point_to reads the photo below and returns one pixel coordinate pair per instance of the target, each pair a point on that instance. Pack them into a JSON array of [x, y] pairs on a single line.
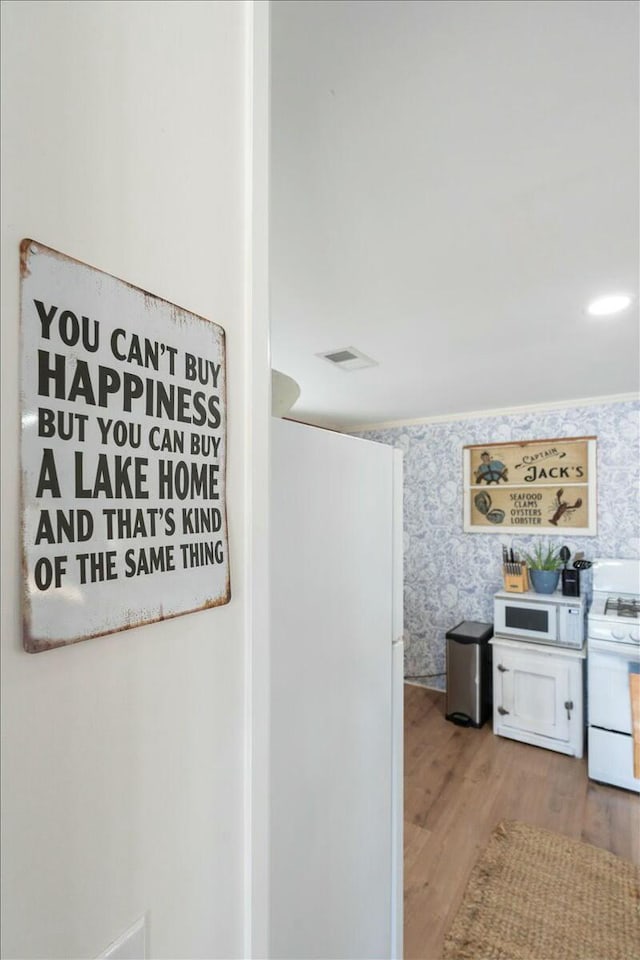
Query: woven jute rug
[[535, 895]]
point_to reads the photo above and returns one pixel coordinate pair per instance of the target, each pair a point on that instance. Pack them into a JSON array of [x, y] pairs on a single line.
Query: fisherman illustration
[[562, 507], [490, 471]]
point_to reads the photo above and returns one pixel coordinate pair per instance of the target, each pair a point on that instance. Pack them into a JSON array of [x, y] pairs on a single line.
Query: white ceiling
[[451, 183]]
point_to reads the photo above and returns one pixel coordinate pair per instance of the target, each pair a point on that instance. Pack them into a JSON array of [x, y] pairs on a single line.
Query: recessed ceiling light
[[606, 306]]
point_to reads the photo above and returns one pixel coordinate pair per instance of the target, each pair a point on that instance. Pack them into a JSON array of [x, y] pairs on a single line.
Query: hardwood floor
[[460, 782]]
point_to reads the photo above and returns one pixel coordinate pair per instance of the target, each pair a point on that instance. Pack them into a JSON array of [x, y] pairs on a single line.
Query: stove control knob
[[617, 634], [634, 635]]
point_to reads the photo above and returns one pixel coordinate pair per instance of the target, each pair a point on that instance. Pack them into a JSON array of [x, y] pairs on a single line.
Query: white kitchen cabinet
[[538, 695]]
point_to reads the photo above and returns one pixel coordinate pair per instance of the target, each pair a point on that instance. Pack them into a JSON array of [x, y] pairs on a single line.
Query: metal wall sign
[[124, 516], [536, 486]]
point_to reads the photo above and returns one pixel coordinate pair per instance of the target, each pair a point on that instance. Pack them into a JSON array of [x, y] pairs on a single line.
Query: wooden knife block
[[516, 582]]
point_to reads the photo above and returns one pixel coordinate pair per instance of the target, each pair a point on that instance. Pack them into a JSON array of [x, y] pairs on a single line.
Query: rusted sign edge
[[26, 243], [35, 645]]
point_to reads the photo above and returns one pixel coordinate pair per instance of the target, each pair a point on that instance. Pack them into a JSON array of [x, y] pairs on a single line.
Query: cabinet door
[[533, 693]]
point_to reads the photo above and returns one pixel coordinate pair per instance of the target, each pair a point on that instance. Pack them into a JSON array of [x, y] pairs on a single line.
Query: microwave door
[[534, 621]]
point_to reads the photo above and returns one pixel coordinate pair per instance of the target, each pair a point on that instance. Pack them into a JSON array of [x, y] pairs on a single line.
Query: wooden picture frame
[[534, 486]]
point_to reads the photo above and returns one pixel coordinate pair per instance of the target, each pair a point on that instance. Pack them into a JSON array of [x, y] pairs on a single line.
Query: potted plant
[[544, 564]]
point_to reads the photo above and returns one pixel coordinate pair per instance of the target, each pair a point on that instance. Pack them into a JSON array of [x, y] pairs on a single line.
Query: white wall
[[124, 758]]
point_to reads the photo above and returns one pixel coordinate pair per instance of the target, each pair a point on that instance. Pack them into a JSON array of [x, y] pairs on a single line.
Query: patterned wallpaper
[[450, 575]]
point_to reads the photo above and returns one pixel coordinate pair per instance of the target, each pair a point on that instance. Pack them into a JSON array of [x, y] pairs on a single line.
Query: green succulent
[[544, 557]]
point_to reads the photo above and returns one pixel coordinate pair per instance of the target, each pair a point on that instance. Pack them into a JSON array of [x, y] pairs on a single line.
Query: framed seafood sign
[[536, 486]]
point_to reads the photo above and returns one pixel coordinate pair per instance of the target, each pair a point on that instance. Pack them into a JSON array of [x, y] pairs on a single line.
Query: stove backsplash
[[450, 575]]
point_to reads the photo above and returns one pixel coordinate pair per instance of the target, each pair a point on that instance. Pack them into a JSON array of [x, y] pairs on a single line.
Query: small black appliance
[[570, 583]]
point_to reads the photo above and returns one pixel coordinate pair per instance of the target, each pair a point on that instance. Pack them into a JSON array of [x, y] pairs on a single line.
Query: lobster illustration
[[563, 507]]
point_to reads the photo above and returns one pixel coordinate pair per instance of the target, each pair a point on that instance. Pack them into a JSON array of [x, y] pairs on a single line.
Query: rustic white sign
[[123, 454]]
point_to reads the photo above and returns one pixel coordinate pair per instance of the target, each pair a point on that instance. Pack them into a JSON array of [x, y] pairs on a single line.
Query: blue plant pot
[[544, 581]]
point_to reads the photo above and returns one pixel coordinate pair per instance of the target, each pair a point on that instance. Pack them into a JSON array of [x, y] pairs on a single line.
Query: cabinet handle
[[503, 669], [568, 705], [502, 711]]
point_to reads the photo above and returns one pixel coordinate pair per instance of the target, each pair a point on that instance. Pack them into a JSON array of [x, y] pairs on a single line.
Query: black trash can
[[469, 673]]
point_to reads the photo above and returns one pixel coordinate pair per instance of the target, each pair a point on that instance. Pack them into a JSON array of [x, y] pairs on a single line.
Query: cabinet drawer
[[611, 759]]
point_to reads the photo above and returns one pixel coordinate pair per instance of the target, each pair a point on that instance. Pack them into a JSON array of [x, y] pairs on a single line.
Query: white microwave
[[540, 618]]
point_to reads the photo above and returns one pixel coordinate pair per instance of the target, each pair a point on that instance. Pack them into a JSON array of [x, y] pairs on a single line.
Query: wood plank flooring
[[460, 782]]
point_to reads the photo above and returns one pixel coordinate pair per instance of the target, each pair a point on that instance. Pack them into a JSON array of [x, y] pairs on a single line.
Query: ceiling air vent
[[348, 358]]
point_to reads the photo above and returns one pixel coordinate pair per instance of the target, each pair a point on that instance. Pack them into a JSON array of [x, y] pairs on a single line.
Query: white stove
[[614, 613], [613, 653]]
